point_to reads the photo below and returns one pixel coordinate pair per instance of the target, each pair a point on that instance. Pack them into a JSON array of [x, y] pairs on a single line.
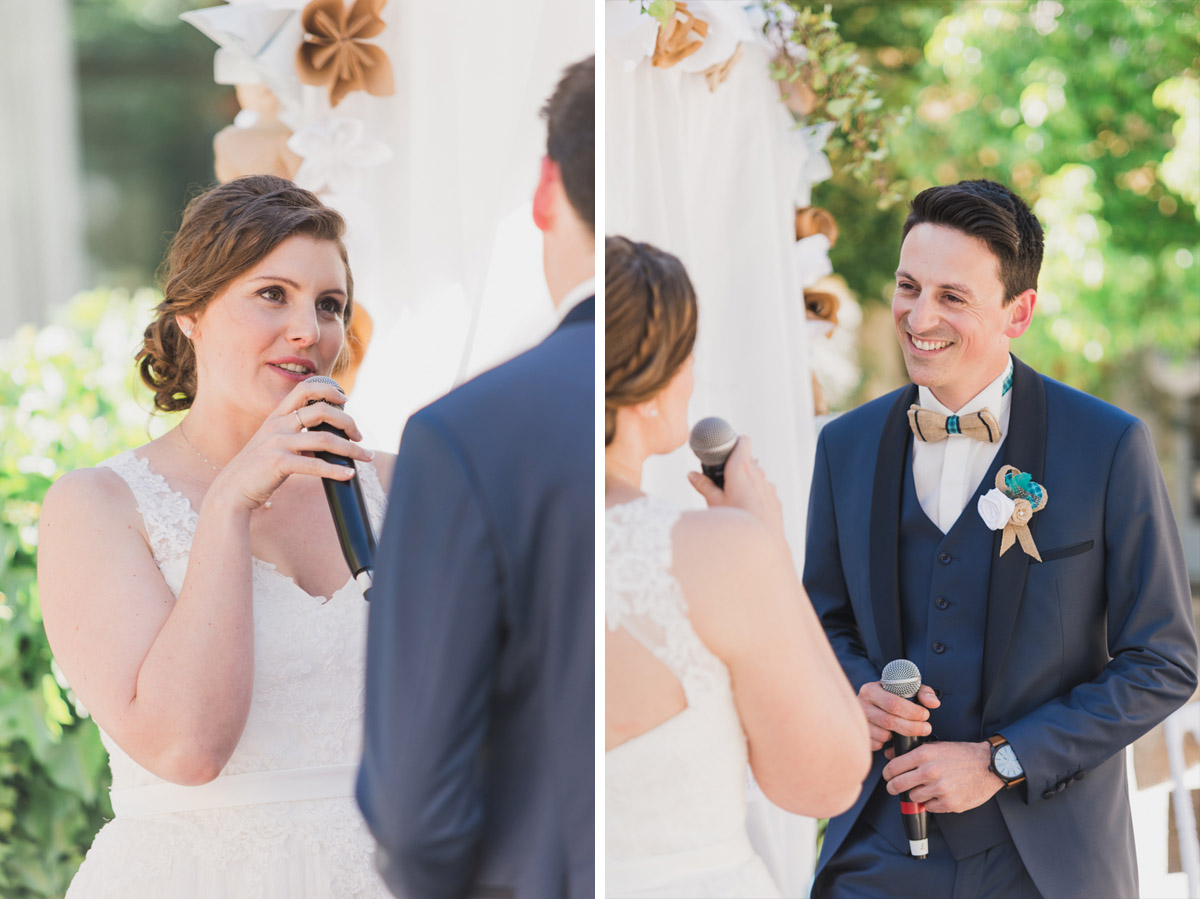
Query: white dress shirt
[[947, 473]]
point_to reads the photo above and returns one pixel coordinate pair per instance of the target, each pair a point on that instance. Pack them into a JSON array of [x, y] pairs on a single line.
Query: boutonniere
[[1010, 506]]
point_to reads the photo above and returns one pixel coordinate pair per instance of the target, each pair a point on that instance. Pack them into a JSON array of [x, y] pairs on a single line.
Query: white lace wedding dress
[[676, 795], [280, 822]]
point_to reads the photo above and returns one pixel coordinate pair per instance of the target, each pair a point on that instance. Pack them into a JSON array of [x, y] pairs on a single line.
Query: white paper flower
[[257, 44], [335, 151], [813, 166], [811, 257], [996, 508]]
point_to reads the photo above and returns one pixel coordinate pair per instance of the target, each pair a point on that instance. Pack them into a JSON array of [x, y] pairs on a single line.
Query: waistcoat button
[[941, 602], [939, 647], [944, 558]]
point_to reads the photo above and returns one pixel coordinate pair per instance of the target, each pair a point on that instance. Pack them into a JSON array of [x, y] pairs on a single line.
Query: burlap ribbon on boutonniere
[[1010, 505]]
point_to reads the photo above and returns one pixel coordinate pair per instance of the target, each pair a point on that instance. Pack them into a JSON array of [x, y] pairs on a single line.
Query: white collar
[[574, 296], [993, 397]]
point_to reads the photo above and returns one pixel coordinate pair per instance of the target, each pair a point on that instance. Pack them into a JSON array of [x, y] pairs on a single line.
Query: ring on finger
[[296, 412]]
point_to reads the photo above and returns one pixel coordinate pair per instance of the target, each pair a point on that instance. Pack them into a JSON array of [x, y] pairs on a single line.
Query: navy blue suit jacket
[[1083, 652], [478, 770]]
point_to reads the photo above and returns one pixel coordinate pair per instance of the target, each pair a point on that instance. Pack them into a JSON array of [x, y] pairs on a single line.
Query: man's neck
[[565, 274], [956, 398]]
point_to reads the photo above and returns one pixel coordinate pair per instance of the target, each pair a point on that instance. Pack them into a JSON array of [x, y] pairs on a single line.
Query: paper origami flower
[[334, 53], [335, 151]]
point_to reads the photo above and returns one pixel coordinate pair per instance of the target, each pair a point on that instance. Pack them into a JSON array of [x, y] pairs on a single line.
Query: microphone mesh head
[[901, 678], [712, 440], [323, 379]]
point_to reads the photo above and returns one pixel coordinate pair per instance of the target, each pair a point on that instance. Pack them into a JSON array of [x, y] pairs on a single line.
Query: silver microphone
[[712, 441], [902, 678]]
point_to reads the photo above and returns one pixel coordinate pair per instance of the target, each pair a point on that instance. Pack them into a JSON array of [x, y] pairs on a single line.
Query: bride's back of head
[[649, 324]]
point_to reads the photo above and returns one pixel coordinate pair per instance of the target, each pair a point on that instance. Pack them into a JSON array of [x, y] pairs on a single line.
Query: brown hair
[[570, 115], [649, 324], [990, 212], [225, 232]]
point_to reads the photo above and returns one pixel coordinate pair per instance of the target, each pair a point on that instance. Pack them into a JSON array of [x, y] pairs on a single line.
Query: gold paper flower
[[333, 53], [679, 38]]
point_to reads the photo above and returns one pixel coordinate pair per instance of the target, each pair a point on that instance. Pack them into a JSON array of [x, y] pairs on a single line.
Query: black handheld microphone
[[902, 678], [348, 507], [712, 441]]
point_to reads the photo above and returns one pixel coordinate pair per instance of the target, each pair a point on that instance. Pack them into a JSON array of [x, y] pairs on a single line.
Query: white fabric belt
[[287, 785], [630, 875]]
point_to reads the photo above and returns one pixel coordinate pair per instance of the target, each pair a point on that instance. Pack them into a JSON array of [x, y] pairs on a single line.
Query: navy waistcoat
[[943, 607]]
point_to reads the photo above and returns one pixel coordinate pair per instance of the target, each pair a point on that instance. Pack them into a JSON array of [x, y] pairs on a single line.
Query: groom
[[1047, 645], [478, 770]]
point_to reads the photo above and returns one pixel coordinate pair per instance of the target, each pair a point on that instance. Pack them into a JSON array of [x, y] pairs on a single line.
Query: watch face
[[1006, 762]]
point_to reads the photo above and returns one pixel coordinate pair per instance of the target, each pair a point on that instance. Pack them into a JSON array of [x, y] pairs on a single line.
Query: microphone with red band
[[348, 507], [902, 678]]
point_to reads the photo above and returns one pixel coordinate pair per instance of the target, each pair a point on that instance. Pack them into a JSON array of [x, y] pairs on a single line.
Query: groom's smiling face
[[951, 319]]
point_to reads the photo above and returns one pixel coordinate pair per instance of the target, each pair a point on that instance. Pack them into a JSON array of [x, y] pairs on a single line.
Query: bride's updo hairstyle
[[225, 232], [649, 324]]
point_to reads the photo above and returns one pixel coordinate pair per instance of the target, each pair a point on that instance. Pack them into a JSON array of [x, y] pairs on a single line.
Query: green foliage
[[811, 51], [662, 10], [66, 402], [148, 111], [1090, 111]]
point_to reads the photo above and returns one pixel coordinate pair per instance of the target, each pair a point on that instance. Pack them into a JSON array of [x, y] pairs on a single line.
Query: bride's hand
[[284, 444], [746, 488]]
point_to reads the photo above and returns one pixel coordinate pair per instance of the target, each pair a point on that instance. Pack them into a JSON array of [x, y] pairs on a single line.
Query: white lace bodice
[[676, 795], [309, 652], [305, 713]]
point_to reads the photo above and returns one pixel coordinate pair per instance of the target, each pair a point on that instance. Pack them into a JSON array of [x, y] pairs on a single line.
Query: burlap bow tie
[[930, 427]]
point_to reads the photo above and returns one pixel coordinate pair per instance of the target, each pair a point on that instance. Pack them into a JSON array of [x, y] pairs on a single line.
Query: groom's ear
[[546, 196]]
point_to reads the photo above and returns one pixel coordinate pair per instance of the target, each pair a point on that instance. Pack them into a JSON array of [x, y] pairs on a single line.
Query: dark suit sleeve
[[826, 582], [1151, 636], [433, 639]]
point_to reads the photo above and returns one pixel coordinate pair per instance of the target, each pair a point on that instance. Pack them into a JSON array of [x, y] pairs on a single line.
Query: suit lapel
[[1024, 448], [884, 543]]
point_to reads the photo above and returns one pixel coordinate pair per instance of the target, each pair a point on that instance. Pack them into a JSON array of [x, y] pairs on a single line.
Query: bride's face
[[672, 405], [274, 326]]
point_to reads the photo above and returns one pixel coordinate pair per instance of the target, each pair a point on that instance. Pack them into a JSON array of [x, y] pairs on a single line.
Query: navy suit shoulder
[[478, 766]]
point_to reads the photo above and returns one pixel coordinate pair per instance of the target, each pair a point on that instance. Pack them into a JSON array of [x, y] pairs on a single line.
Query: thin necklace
[[207, 461]]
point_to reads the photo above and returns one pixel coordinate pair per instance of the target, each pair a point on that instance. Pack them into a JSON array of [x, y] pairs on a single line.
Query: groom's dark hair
[[990, 212], [570, 115]]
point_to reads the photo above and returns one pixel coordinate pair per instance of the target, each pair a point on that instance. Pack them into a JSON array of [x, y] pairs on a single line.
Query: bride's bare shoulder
[[83, 488], [706, 537]]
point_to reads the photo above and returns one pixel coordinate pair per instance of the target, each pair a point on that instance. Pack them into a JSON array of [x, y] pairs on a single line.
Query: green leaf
[[662, 10]]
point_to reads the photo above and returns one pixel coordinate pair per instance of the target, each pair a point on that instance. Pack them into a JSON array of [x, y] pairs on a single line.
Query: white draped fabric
[[435, 180], [712, 176], [41, 206], [452, 270]]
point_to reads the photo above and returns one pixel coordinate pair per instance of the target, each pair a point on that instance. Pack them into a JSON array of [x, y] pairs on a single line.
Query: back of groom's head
[[570, 115]]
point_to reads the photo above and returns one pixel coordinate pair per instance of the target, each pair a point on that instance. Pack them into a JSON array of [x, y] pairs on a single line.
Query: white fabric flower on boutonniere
[[1009, 506], [995, 508]]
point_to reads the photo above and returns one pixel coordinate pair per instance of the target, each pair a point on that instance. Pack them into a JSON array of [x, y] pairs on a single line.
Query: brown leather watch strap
[[996, 740]]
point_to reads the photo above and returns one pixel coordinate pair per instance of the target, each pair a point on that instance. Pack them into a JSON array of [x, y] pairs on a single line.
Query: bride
[[193, 589], [713, 654]]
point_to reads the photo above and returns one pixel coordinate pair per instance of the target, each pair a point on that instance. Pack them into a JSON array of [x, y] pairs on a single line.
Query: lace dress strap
[[168, 516], [644, 598], [373, 493]]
